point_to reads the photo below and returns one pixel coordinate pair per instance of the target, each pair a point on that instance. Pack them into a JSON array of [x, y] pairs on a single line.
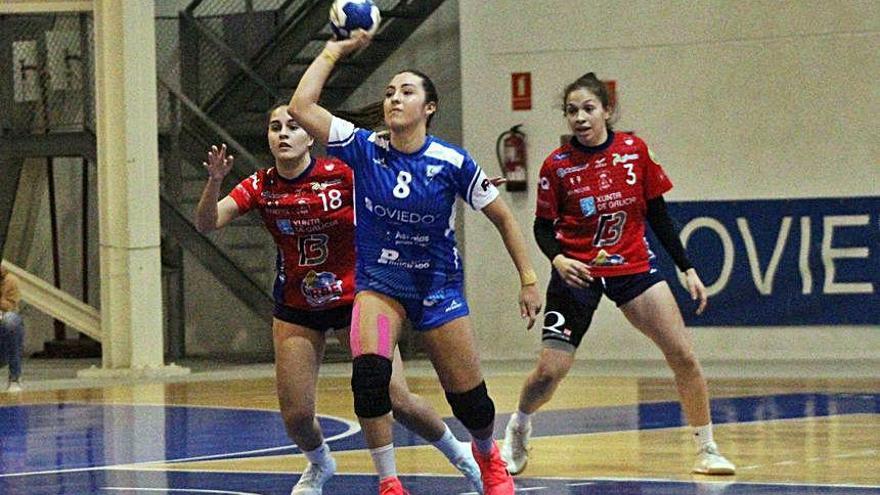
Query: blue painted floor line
[[80, 449]]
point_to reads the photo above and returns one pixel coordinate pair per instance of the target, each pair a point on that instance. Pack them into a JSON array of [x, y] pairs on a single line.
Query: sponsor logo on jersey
[[388, 255], [330, 166], [405, 239], [604, 259], [588, 206], [618, 158], [285, 226], [545, 183], [379, 161], [320, 288], [577, 191], [398, 215], [320, 186], [433, 170], [486, 184], [604, 181], [562, 172], [561, 156], [600, 163], [455, 304], [391, 257]]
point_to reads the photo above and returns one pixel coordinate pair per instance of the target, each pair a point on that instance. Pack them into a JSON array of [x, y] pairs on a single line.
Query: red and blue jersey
[[597, 198], [311, 220], [405, 210]]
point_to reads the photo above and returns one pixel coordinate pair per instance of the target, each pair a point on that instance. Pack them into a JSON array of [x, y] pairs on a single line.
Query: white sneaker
[[468, 466], [710, 461], [14, 387], [515, 450], [313, 478]]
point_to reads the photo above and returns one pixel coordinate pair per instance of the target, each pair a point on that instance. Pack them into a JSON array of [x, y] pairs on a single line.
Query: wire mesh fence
[[52, 82]]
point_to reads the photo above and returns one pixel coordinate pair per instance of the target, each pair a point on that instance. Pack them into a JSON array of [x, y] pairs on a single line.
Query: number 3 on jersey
[[609, 229]]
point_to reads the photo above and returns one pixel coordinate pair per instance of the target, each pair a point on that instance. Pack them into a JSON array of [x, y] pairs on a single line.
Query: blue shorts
[[438, 308], [569, 310], [327, 319]]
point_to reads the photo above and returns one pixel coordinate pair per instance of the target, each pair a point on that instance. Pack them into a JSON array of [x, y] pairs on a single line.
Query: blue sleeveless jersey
[[405, 211]]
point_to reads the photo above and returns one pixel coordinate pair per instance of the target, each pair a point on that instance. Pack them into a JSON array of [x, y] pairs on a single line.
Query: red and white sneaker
[[391, 486], [496, 479]]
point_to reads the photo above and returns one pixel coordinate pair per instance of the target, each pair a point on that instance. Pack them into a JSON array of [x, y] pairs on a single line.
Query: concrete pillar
[[128, 190]]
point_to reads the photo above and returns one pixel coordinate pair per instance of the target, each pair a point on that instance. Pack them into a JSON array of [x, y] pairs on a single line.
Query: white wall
[[433, 49], [739, 100]]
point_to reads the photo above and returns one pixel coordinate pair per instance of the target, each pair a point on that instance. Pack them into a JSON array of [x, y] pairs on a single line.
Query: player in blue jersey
[[407, 264]]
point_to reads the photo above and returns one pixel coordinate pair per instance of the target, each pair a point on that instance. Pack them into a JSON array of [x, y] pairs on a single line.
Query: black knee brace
[[473, 408], [370, 377]]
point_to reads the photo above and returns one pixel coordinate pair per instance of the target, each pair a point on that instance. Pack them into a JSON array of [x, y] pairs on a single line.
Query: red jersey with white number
[[597, 197], [311, 219]]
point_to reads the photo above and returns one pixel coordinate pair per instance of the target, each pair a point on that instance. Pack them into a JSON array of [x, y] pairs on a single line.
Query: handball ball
[[349, 15]]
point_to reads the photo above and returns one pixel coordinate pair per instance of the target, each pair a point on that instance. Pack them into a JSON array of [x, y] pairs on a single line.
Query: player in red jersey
[[306, 204], [595, 195]]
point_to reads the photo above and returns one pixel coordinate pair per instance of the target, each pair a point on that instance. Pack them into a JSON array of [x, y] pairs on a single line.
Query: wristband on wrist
[[329, 56], [529, 277]]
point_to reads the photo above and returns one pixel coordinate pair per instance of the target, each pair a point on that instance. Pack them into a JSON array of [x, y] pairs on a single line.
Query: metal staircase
[[222, 77], [271, 74]]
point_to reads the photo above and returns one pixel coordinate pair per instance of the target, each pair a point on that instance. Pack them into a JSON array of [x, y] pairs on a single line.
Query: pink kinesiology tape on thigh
[[384, 329], [354, 335]]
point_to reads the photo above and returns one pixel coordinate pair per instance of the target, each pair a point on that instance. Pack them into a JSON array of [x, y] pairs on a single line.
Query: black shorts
[[321, 320], [569, 310]]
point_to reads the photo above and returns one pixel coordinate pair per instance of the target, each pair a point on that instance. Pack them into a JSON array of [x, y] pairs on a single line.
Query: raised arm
[[210, 213], [529, 298], [304, 106]]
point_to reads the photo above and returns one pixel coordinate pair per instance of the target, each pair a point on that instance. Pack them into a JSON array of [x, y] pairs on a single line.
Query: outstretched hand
[[529, 304], [697, 289], [219, 163]]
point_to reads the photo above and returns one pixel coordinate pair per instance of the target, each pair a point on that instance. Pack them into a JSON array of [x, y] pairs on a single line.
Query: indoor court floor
[[600, 435]]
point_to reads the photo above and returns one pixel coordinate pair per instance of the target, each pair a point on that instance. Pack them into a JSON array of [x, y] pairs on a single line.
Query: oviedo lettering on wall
[[781, 262]]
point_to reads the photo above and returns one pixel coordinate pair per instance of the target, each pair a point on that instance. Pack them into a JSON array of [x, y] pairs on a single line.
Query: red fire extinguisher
[[510, 148]]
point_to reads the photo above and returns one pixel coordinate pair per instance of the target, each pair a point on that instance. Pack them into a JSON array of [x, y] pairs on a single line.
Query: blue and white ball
[[349, 15]]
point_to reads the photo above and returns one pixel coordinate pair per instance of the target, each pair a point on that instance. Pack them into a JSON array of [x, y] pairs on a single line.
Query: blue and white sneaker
[[468, 466], [313, 478]]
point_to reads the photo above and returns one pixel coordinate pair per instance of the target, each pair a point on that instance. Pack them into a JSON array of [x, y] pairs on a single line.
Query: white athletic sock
[[383, 459], [521, 419], [319, 456], [703, 435], [450, 446]]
